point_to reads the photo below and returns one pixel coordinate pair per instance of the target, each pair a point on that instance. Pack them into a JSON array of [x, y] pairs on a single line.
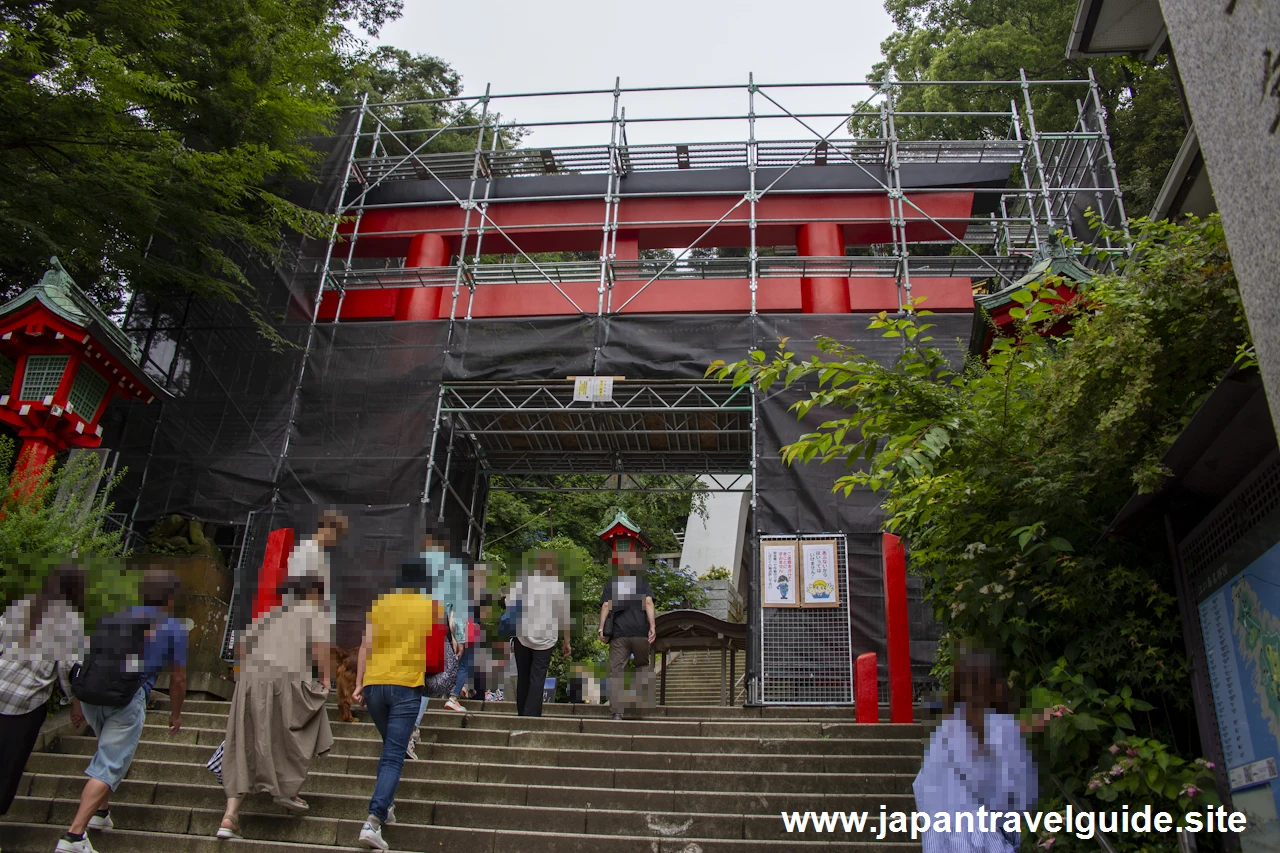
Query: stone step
[[659, 778], [698, 779], [201, 812], [191, 744], [829, 713], [211, 737], [665, 728], [36, 838], [168, 783]]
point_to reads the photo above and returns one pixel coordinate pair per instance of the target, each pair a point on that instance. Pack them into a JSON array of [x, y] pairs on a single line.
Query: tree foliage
[[993, 40], [1004, 475], [50, 518], [152, 145]]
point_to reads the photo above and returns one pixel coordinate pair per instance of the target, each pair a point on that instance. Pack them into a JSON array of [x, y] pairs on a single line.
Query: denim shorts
[[118, 730]]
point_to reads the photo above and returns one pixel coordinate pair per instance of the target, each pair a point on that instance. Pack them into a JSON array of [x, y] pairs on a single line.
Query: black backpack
[[114, 668]]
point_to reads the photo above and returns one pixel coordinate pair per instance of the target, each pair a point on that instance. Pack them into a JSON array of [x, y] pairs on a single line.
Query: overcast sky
[[556, 45]]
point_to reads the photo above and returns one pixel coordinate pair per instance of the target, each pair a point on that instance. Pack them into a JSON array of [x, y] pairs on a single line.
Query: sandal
[[229, 830], [294, 804]]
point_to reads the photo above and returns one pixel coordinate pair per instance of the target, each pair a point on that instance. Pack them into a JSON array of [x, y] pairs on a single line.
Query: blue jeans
[[465, 664], [394, 710], [118, 730]]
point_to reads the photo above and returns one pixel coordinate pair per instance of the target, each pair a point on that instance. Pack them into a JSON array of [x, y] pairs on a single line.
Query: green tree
[[153, 145], [993, 40], [1003, 477]]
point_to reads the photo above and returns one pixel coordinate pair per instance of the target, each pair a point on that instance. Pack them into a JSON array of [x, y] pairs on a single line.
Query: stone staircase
[[681, 780], [693, 678]]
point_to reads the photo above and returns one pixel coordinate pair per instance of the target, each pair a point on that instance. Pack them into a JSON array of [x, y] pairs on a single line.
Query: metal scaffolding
[[1060, 172], [527, 436]]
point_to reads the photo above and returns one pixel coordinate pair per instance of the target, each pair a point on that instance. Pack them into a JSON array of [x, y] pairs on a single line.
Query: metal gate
[[805, 652]]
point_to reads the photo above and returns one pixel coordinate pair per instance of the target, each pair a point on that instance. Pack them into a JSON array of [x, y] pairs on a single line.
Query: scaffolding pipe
[[484, 208], [617, 203], [1111, 160], [1026, 178], [1035, 147], [605, 255], [899, 224], [315, 310], [431, 451], [466, 221], [448, 466], [871, 84], [752, 158]]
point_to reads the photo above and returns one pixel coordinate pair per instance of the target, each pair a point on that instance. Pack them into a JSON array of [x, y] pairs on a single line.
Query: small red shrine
[[623, 534], [70, 360], [994, 317]]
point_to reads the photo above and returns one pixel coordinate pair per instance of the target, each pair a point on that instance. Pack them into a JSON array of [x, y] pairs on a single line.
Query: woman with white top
[[41, 638], [543, 600]]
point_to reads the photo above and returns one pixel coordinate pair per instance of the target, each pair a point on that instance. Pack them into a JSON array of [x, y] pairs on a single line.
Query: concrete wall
[[721, 598], [717, 539]]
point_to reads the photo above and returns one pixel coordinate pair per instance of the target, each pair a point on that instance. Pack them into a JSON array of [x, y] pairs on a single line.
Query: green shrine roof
[[58, 292], [1053, 259], [621, 517]]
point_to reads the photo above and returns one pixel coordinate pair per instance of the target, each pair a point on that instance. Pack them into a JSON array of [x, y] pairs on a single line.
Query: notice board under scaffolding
[[804, 641]]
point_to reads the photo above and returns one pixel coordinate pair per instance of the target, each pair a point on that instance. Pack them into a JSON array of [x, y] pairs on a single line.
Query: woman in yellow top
[[389, 681]]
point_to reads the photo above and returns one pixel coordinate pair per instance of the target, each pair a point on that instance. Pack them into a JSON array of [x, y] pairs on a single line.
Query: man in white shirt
[[544, 612], [309, 557]]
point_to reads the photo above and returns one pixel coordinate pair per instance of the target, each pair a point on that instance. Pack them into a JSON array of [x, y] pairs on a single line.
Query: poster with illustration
[[781, 587], [820, 585]]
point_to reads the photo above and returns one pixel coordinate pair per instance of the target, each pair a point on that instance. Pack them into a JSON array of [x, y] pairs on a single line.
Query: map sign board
[[1240, 621]]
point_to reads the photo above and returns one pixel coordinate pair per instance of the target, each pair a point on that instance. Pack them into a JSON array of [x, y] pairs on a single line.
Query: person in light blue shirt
[[977, 762], [449, 585]]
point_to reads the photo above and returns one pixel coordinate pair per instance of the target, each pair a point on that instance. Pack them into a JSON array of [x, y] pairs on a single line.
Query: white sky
[[557, 45]]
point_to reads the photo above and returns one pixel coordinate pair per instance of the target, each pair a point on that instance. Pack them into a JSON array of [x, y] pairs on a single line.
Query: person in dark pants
[[630, 599], [544, 612], [41, 638], [389, 680]]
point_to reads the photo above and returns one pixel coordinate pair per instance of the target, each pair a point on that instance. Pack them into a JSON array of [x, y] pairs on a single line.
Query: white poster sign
[[781, 580], [820, 580], [593, 389]]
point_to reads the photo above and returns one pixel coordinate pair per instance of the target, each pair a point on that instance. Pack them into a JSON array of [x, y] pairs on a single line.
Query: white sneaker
[[370, 838], [412, 750], [81, 846], [101, 821], [453, 704], [391, 816]]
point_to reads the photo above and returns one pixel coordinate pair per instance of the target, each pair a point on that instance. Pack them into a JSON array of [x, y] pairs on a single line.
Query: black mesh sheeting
[[647, 347], [536, 349], [212, 452], [365, 415]]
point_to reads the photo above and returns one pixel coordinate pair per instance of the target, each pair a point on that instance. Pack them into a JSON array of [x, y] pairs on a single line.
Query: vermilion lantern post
[[70, 361]]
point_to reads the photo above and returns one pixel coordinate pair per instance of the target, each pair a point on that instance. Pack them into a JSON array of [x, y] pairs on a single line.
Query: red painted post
[[897, 638], [27, 471], [822, 295], [274, 566], [867, 684], [422, 303]]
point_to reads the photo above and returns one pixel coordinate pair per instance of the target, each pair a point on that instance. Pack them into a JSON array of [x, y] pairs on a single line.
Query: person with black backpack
[[126, 653]]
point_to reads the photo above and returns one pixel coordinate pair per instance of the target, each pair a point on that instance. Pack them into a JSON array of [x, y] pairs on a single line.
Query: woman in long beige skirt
[[278, 723]]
